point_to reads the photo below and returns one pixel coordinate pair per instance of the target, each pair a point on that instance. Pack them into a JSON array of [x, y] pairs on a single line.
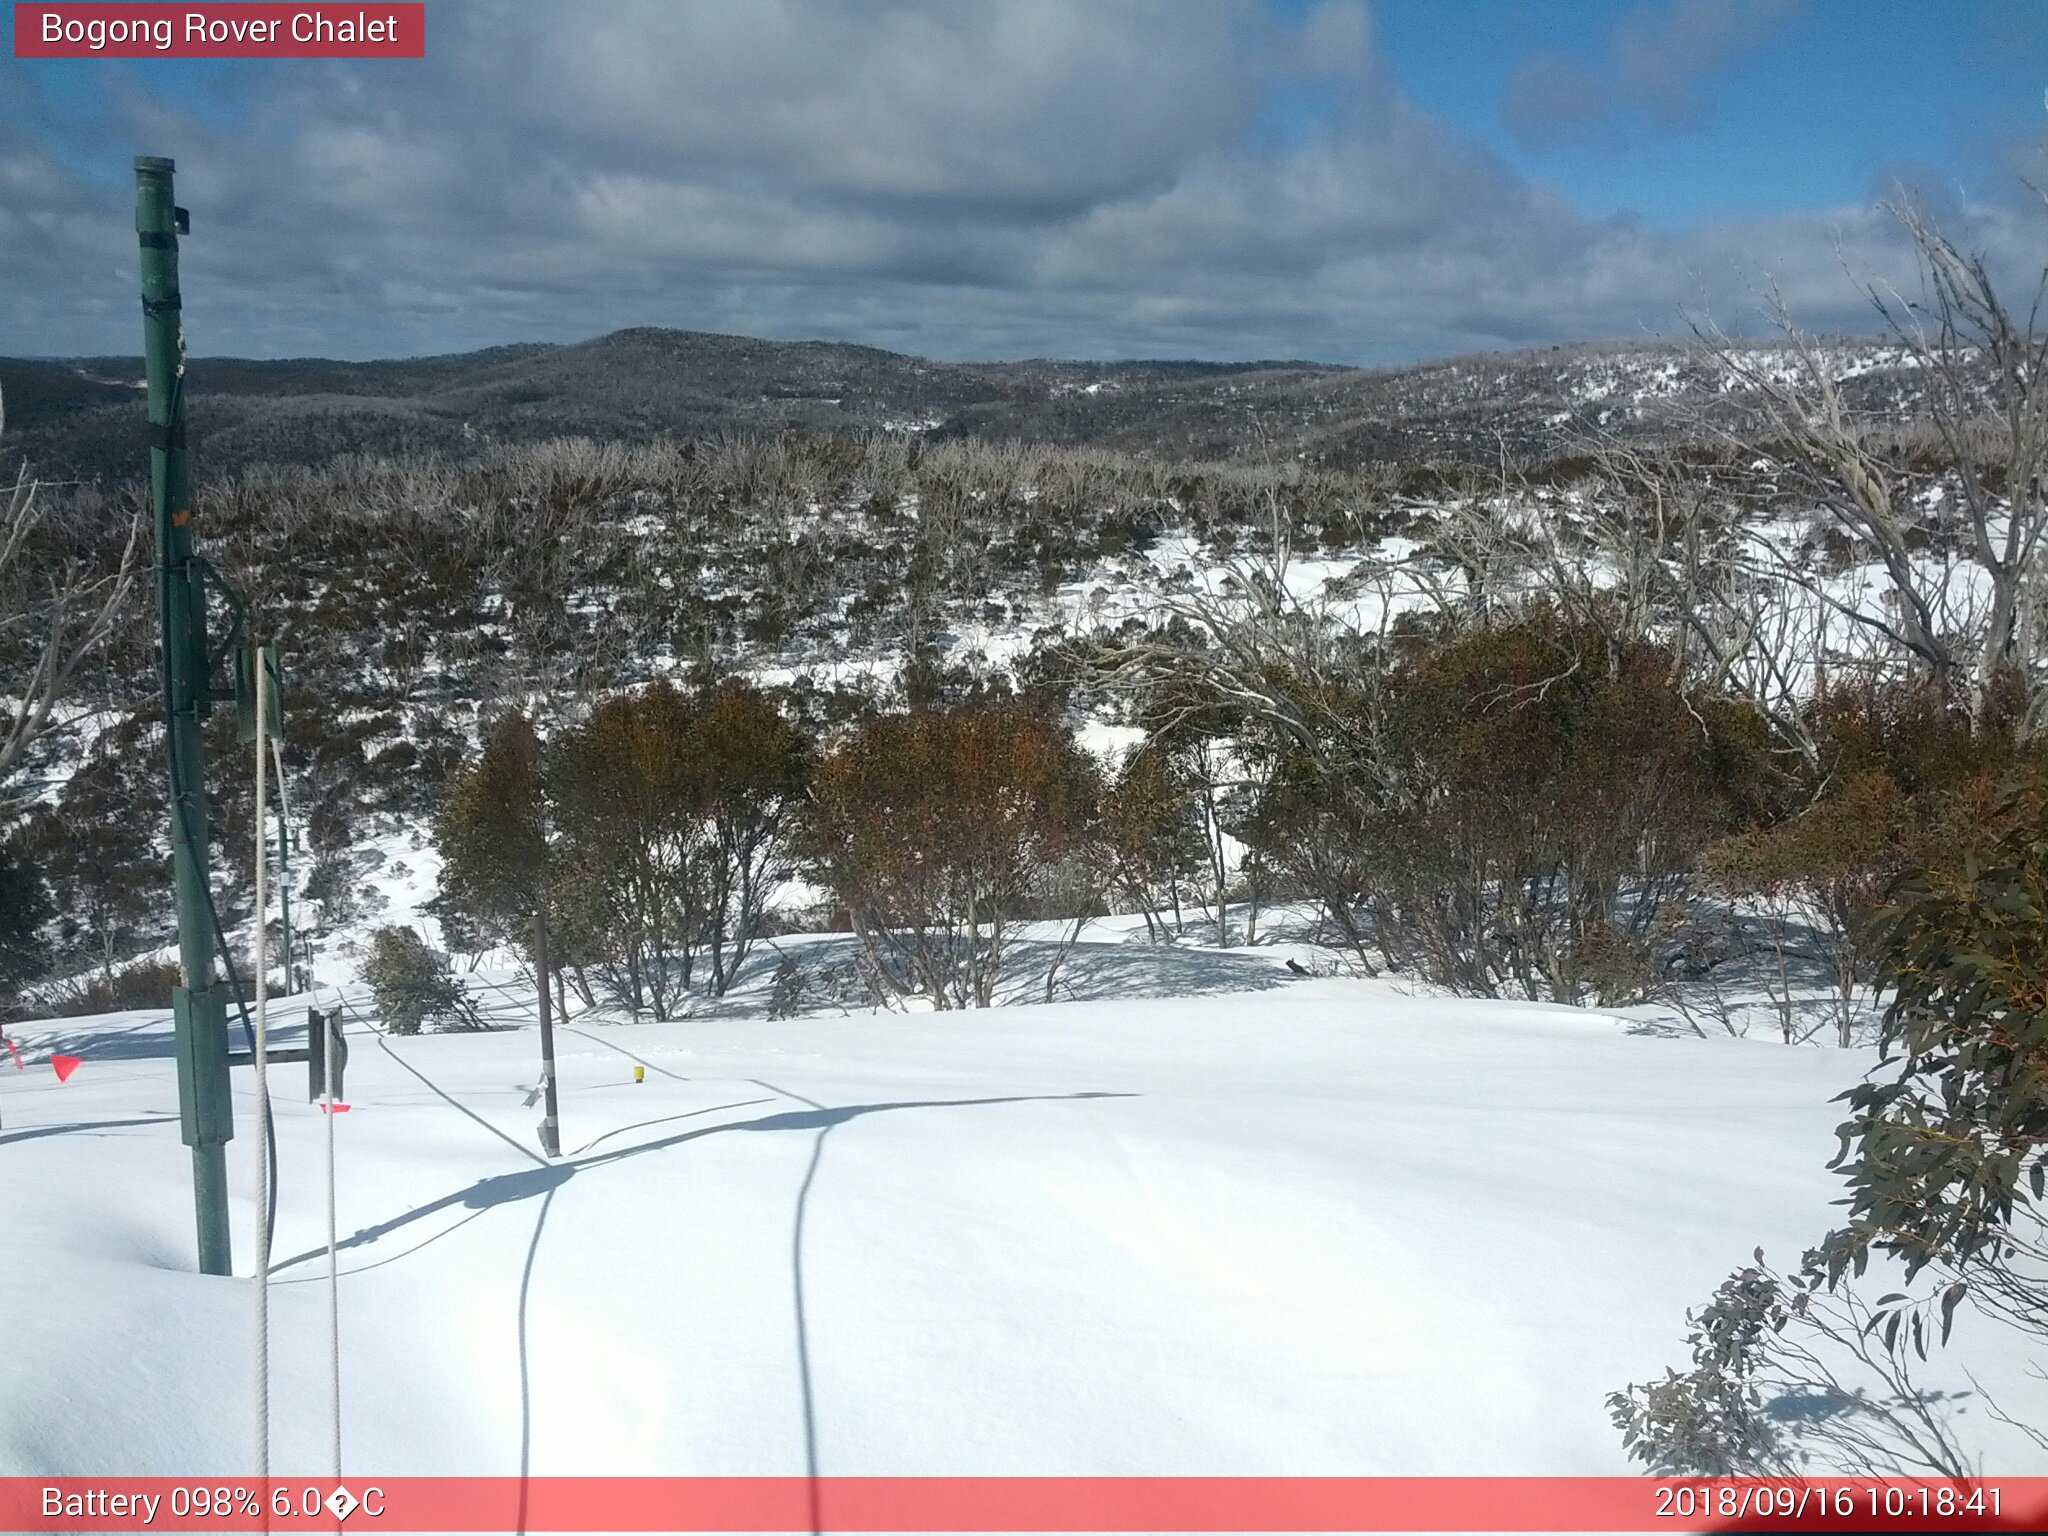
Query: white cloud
[[1046, 176]]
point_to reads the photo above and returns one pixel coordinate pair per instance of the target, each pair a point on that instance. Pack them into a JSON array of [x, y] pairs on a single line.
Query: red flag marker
[[65, 1066], [337, 1109], [19, 1064]]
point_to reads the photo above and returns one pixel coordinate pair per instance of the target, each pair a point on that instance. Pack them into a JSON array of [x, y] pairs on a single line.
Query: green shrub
[[24, 908], [412, 984], [1510, 807], [1948, 1162]]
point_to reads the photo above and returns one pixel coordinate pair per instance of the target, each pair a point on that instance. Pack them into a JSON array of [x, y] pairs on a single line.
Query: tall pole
[[550, 1124], [284, 874], [260, 944], [284, 820], [199, 1003], [329, 1030]]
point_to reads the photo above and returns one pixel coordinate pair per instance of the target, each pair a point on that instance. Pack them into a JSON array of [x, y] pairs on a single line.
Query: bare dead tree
[[1686, 559], [1242, 645], [1988, 403], [1965, 603], [57, 606]]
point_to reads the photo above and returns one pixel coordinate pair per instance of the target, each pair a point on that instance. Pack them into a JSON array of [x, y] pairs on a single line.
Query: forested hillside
[[81, 418]]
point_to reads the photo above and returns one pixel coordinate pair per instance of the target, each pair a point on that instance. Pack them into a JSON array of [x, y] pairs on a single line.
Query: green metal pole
[[200, 1004]]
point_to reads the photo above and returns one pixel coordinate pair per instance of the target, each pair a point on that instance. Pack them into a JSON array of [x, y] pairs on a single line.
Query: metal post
[[326, 1056], [199, 1004], [330, 1083], [284, 893], [260, 943], [284, 835], [550, 1125]]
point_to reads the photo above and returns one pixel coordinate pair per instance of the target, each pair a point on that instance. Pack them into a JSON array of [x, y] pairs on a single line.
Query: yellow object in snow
[[639, 1074]]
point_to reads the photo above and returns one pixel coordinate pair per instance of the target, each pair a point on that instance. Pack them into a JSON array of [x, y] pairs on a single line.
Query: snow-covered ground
[[1283, 1226]]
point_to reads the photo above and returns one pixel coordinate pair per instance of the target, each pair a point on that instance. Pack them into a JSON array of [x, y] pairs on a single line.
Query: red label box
[[113, 29], [153, 1505]]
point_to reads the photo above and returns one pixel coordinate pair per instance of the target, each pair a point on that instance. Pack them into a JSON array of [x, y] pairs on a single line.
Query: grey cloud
[[1662, 56], [1042, 102], [1657, 59], [1551, 94], [965, 181]]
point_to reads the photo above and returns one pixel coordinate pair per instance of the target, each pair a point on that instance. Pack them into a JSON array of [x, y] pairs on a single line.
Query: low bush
[[140, 984], [412, 984]]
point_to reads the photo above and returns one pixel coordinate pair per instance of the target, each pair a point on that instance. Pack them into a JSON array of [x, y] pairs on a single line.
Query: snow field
[[1320, 1228]]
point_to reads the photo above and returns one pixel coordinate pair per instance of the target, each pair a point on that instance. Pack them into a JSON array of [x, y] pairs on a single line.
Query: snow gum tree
[[938, 828], [490, 834], [652, 834], [1947, 1163], [757, 766], [1148, 833], [626, 787], [1509, 808], [1825, 870], [24, 908], [1901, 778], [500, 863]]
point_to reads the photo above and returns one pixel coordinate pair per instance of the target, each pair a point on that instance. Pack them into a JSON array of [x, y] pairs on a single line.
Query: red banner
[[112, 30], [1008, 1504]]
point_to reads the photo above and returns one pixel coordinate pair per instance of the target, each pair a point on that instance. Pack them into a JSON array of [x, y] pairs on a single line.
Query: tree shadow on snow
[[81, 1128], [1139, 970], [1093, 969], [148, 1036], [546, 1179]]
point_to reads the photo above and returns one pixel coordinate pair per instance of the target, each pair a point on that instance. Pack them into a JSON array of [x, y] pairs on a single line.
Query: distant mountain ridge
[[82, 417]]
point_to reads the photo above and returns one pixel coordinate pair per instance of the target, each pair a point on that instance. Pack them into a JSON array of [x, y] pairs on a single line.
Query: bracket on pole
[[205, 1112]]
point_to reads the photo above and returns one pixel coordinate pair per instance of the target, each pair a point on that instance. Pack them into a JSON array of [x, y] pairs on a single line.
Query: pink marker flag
[[19, 1064], [65, 1066]]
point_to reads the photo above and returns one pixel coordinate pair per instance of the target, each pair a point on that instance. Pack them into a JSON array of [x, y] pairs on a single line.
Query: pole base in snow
[[210, 1186]]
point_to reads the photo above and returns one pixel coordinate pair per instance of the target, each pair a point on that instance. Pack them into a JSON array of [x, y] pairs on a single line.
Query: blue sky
[[1212, 178], [1835, 100]]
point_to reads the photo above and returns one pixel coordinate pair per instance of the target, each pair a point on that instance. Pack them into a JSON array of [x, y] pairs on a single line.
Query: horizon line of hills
[[80, 418]]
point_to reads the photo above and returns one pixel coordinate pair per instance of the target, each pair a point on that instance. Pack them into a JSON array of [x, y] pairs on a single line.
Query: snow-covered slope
[[1319, 1227]]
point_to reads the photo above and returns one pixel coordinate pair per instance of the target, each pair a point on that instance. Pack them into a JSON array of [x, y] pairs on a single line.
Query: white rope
[[260, 964], [284, 816], [333, 1275], [327, 1080]]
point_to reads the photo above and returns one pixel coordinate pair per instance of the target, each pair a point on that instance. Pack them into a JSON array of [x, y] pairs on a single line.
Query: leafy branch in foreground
[[1945, 1165], [1946, 1161], [1787, 1375]]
